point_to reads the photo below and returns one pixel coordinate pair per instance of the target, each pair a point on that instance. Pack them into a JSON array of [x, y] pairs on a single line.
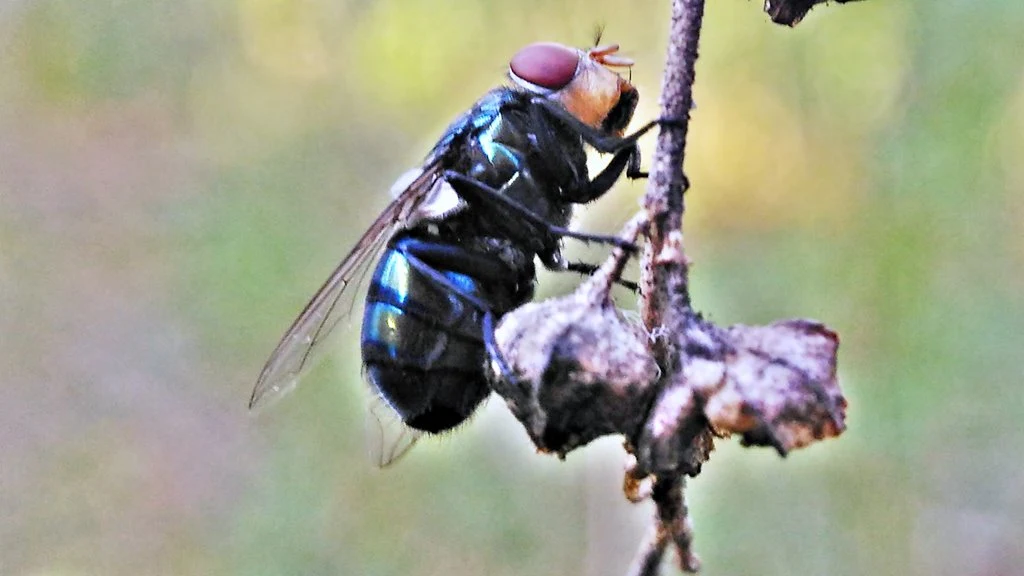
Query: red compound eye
[[546, 64]]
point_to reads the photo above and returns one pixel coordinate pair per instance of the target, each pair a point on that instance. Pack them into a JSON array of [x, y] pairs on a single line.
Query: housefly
[[460, 237]]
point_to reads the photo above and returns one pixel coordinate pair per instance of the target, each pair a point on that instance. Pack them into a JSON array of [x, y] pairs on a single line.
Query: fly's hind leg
[[419, 252], [493, 352]]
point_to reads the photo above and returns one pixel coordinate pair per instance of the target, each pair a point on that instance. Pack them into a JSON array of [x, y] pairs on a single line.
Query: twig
[[664, 264], [665, 305], [673, 526]]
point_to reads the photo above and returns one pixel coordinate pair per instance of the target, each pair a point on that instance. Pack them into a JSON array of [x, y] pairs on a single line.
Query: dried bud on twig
[[582, 371], [582, 368]]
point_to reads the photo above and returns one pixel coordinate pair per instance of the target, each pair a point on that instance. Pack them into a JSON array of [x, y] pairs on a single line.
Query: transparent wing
[[303, 341], [387, 437]]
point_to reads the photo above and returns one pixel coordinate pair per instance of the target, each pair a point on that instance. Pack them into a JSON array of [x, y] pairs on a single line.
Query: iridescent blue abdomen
[[421, 342]]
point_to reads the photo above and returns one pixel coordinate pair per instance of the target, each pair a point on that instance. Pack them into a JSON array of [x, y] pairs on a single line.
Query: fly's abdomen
[[422, 342]]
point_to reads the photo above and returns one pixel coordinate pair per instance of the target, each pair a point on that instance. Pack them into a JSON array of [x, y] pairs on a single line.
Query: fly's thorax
[[535, 156], [479, 116], [538, 190], [526, 156], [513, 248], [508, 252]]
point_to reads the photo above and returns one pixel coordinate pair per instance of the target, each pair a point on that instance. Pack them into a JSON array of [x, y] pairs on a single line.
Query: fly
[[461, 236]]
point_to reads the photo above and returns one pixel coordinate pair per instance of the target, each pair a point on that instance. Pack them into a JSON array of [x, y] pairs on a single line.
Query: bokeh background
[[178, 176]]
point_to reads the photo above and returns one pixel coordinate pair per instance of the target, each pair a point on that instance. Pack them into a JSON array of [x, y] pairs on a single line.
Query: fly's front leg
[[602, 141], [627, 159], [624, 150], [633, 170]]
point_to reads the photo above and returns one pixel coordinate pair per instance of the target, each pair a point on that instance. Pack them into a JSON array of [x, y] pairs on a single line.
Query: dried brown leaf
[[791, 12], [779, 385]]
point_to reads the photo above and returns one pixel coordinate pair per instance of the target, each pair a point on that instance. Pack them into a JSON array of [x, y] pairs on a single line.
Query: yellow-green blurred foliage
[[177, 177]]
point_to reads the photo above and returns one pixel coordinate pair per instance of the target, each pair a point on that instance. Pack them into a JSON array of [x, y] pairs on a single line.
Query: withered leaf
[[779, 386], [791, 12]]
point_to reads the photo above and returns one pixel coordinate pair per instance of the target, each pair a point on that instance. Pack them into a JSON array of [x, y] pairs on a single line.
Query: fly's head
[[582, 81]]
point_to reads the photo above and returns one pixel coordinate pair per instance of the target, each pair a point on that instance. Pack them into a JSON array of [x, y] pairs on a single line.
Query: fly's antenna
[[606, 55]]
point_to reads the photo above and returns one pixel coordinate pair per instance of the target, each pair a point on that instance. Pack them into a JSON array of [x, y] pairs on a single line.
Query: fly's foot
[[668, 121]]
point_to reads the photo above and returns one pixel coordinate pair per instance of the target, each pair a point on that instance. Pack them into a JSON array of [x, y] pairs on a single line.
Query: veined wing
[[302, 343], [387, 437]]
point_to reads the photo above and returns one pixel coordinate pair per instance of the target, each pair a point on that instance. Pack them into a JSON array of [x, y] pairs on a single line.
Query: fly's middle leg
[[587, 269], [510, 215]]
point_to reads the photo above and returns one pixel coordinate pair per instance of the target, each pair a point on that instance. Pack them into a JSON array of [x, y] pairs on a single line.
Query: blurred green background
[[177, 178]]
